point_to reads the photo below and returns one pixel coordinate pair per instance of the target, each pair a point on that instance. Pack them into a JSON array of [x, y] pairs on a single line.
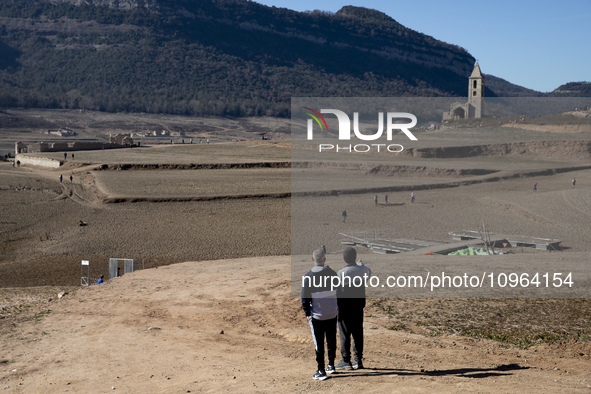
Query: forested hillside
[[505, 88], [213, 57], [577, 89]]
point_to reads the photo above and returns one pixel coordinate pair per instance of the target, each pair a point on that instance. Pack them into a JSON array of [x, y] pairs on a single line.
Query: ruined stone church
[[473, 108]]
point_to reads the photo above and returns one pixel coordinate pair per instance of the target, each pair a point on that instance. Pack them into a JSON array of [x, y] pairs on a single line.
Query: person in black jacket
[[319, 302], [351, 301]]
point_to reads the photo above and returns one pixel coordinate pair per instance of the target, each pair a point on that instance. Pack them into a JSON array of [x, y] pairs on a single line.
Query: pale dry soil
[[31, 125], [160, 331], [223, 152], [229, 278], [43, 243], [194, 183]]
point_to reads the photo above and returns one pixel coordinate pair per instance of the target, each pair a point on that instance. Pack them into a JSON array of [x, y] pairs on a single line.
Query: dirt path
[[159, 331]]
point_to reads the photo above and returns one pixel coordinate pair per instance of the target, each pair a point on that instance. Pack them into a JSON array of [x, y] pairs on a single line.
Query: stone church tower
[[476, 92], [475, 105]]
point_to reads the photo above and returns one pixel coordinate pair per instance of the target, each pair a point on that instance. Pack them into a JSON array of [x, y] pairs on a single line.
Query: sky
[[539, 45]]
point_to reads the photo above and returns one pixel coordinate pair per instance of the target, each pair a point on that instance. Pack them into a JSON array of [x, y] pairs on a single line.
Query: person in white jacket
[[319, 302]]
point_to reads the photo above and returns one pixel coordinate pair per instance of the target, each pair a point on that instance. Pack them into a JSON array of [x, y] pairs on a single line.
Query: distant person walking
[[412, 197], [574, 182], [72, 156], [344, 216], [71, 179], [65, 156], [13, 164], [375, 200], [61, 178], [386, 199], [18, 163], [535, 187]]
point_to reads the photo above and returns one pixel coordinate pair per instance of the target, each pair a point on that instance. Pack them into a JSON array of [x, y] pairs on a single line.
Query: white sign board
[[85, 262]]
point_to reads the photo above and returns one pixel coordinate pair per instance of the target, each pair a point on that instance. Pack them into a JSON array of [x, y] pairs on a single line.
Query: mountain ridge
[[213, 57]]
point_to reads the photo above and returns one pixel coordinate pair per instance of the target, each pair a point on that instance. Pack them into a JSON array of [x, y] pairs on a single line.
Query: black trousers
[[351, 325], [321, 328]]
